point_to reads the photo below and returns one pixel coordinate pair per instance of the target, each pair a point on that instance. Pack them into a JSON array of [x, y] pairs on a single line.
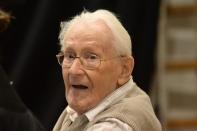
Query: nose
[[76, 67]]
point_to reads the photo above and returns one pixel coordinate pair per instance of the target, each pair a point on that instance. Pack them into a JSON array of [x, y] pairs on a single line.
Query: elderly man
[[96, 65]]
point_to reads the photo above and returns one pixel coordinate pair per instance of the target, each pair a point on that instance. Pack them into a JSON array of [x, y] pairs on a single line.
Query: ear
[[127, 69]]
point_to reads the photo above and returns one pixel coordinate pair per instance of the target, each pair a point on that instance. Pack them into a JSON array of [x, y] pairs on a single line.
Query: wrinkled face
[[86, 88]]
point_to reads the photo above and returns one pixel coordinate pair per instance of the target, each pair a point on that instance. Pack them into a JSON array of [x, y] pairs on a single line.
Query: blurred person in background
[[14, 115], [97, 64]]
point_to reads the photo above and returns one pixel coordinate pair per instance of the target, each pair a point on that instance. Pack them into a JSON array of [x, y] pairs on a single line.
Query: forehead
[[96, 32]]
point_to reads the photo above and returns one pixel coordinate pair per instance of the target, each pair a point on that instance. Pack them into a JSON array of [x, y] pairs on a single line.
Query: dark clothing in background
[[14, 115]]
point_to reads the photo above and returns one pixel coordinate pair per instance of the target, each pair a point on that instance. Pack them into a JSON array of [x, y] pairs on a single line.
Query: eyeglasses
[[88, 60]]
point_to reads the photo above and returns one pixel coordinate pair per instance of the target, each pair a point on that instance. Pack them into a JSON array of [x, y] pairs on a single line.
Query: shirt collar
[[71, 113], [115, 96]]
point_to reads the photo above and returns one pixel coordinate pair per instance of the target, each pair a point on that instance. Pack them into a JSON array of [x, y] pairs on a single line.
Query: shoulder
[[134, 110], [109, 124]]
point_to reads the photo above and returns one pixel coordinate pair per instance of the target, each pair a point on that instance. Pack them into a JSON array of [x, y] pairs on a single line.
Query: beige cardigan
[[135, 110]]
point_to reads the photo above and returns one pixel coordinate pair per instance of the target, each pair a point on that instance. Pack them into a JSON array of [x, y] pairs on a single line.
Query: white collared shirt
[[109, 124]]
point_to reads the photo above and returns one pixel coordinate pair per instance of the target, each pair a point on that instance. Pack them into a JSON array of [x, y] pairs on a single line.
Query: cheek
[[101, 89], [105, 82], [65, 77], [110, 74]]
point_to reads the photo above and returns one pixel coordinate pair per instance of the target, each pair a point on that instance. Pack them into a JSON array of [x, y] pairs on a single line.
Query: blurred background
[[176, 79], [164, 37]]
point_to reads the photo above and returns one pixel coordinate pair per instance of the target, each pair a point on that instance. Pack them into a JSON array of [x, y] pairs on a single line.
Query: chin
[[75, 105], [78, 109]]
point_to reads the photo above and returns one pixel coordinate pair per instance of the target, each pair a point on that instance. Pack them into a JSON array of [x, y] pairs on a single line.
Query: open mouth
[[79, 87]]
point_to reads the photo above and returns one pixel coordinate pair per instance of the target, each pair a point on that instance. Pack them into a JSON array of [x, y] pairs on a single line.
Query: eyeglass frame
[[81, 61]]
